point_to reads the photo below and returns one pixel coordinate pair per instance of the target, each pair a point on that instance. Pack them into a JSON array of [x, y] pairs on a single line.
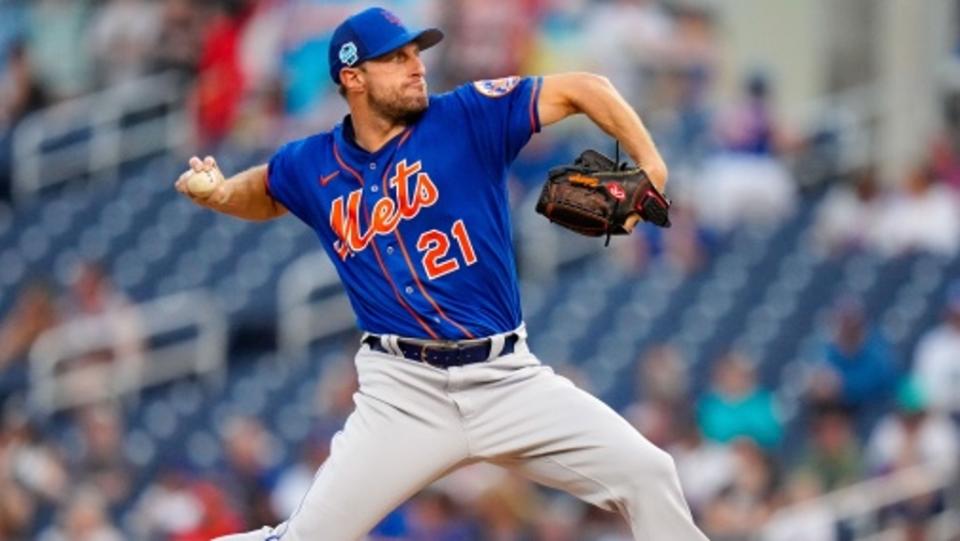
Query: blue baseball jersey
[[419, 231]]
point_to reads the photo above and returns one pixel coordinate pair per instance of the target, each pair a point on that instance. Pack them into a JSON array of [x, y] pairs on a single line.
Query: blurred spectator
[[736, 407], [913, 435], [857, 370], [945, 150], [115, 328], [684, 246], [750, 127], [559, 518], [29, 462], [335, 390], [83, 519], [261, 122], [12, 25], [262, 41], [101, 461], [704, 467], [506, 510], [560, 43], [249, 473], [93, 294], [307, 27], [20, 94], [662, 389], [16, 510], [631, 39], [485, 43], [122, 35], [217, 517], [434, 516], [295, 480], [747, 182], [798, 522], [937, 362], [33, 313], [694, 46], [169, 509], [922, 216], [833, 456], [56, 29], [220, 83], [21, 90], [847, 218], [182, 26], [742, 507], [677, 108]]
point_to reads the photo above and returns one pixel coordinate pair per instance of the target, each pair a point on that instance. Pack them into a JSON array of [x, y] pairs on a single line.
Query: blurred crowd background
[[795, 335]]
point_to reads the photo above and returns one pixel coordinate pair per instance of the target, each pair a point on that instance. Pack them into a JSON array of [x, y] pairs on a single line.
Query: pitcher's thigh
[[381, 458], [566, 438], [562, 437]]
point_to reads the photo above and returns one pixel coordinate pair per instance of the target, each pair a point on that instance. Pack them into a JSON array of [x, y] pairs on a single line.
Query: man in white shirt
[[937, 362]]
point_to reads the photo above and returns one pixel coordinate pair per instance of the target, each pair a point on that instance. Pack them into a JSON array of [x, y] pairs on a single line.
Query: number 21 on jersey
[[434, 244]]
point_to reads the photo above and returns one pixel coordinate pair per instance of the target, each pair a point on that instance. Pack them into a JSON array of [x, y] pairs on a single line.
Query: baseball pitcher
[[408, 197]]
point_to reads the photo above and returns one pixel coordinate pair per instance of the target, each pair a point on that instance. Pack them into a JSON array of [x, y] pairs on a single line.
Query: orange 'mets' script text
[[413, 190]]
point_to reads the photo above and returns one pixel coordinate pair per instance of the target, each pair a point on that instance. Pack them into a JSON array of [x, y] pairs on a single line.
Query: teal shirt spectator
[[753, 416]]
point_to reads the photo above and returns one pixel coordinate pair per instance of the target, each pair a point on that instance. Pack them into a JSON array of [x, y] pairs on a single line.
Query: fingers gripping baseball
[[201, 180]]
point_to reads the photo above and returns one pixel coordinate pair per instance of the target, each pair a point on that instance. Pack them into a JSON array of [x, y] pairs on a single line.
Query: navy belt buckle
[[446, 353]]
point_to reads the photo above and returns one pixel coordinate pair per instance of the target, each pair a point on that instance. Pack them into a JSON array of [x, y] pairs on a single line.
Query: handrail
[[53, 383], [97, 133], [858, 501], [311, 303]]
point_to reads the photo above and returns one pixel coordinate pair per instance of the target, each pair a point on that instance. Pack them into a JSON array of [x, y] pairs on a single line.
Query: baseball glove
[[596, 196]]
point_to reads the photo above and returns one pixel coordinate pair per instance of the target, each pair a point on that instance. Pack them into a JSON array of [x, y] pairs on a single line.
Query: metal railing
[[859, 505], [311, 304], [107, 356], [92, 136]]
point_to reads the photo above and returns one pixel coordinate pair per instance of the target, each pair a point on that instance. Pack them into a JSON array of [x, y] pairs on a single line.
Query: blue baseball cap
[[371, 33]]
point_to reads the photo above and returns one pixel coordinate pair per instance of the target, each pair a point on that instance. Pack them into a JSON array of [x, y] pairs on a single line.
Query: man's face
[[396, 84]]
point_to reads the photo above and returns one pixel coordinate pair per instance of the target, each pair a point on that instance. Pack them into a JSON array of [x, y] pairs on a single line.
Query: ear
[[352, 79]]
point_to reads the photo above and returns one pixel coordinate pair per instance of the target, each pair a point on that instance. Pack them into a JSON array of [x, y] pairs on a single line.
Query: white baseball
[[203, 184]]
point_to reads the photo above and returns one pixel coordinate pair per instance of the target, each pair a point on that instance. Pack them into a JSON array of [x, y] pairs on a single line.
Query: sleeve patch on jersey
[[495, 88]]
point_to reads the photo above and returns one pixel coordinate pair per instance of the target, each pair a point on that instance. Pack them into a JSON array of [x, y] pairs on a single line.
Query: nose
[[419, 69]]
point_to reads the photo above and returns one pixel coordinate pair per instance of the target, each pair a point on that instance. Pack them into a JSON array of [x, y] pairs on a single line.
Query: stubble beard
[[396, 107]]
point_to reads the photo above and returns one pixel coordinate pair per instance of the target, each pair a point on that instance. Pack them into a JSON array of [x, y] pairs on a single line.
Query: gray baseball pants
[[414, 423]]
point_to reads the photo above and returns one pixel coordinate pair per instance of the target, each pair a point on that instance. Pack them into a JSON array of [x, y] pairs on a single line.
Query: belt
[[444, 353]]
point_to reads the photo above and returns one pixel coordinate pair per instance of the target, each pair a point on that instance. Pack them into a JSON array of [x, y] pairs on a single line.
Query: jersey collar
[[346, 140]]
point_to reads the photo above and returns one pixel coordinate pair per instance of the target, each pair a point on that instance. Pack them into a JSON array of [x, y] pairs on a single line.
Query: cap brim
[[424, 39], [428, 38]]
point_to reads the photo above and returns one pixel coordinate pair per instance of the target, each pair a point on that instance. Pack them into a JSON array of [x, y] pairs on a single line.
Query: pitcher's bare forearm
[[568, 94], [243, 195]]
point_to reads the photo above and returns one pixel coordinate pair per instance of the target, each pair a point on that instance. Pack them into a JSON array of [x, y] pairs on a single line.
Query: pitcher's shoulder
[[311, 145]]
